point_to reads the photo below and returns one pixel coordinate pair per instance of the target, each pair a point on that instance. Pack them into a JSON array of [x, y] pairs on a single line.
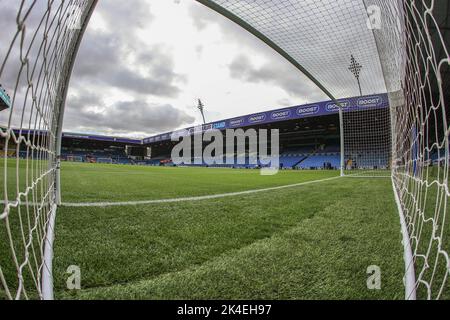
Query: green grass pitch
[[306, 242]]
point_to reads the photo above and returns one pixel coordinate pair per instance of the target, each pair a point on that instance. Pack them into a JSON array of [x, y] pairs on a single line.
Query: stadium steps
[[306, 157], [302, 160]]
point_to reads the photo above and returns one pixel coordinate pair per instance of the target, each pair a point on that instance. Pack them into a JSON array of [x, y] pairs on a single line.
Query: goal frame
[[63, 87], [410, 287], [232, 17]]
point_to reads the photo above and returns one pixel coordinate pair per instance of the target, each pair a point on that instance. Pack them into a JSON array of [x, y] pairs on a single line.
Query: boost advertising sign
[[323, 108]]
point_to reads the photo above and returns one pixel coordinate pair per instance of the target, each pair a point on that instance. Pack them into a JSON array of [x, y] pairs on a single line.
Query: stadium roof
[[83, 136], [318, 109], [323, 108], [101, 138]]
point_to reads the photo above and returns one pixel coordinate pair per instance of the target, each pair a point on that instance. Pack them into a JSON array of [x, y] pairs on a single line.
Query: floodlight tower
[[201, 108], [355, 68]]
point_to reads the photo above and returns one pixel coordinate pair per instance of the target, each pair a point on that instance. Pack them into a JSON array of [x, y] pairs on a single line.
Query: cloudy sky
[[141, 68], [143, 64]]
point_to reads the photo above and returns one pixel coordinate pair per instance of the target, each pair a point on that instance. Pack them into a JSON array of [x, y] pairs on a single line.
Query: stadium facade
[[309, 134], [309, 138]]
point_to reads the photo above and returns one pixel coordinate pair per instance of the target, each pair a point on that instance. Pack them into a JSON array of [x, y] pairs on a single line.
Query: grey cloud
[[285, 102], [279, 73], [138, 116], [103, 54], [101, 62], [118, 58], [12, 50], [121, 15], [114, 57], [98, 53], [199, 50], [127, 79], [7, 22], [315, 31], [203, 17]]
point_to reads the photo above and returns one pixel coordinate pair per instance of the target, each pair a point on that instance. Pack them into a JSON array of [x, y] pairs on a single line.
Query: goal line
[[198, 198]]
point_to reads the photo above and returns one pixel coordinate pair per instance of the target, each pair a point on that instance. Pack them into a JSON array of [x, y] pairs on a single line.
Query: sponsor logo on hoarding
[[370, 102], [207, 127], [179, 133], [308, 110], [333, 107], [219, 125], [257, 118], [67, 135], [236, 122], [283, 114]]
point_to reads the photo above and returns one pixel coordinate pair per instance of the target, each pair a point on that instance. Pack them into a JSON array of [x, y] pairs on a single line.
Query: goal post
[[83, 15], [402, 51], [415, 54], [365, 136], [41, 39], [405, 56], [105, 160], [367, 142], [73, 159]]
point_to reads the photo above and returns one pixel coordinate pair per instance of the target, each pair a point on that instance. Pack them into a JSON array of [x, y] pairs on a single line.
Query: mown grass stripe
[[199, 198]]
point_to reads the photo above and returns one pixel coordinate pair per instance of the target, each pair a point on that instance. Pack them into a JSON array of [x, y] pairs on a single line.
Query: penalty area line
[[198, 198]]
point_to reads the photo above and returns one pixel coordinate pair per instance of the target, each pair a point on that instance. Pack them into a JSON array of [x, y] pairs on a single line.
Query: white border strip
[[410, 276], [364, 177], [199, 198], [47, 274]]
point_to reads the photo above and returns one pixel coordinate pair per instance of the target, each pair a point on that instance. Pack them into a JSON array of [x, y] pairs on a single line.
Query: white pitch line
[[199, 198]]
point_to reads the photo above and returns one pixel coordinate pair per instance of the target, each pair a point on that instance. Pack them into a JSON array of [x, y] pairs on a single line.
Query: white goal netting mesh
[[367, 143], [405, 56], [331, 40], [413, 46], [37, 42], [393, 46]]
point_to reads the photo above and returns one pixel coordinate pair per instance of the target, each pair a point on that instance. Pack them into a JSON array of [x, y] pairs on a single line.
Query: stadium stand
[[309, 136], [307, 141], [321, 162]]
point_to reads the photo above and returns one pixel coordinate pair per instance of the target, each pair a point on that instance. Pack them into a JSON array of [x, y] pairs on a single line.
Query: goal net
[[39, 41], [413, 47], [74, 159], [371, 47], [105, 160], [347, 48], [367, 142]]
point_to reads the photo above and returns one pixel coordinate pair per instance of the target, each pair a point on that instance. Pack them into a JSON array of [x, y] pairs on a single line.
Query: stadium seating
[[319, 161], [103, 156], [304, 158], [289, 161], [311, 157]]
